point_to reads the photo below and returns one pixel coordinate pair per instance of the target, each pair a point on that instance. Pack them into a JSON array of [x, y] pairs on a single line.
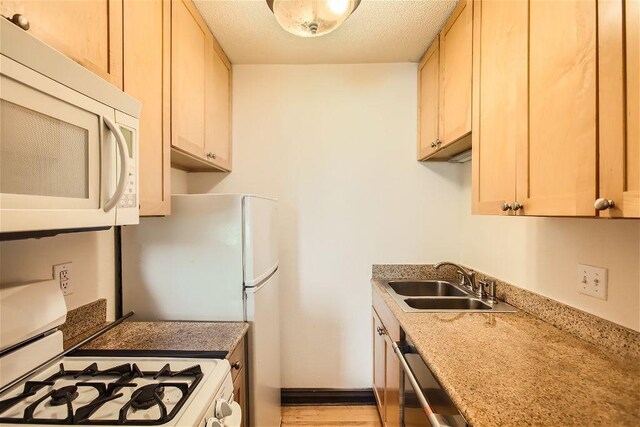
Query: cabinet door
[[429, 101], [500, 100], [147, 47], [240, 396], [190, 47], [556, 166], [619, 151], [455, 65], [392, 385], [218, 110], [89, 32], [631, 180], [379, 364]]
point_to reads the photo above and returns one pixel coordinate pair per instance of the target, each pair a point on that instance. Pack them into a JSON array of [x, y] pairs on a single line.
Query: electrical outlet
[[63, 274], [592, 281]]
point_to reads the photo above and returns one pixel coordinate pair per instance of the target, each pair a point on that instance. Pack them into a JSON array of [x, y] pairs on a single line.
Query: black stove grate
[[107, 391]]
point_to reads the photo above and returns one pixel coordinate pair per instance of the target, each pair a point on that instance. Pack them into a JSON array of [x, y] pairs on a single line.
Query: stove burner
[[149, 396], [145, 397], [63, 395]]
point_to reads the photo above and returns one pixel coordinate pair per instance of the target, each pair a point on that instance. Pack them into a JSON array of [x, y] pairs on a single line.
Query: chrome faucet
[[468, 278]]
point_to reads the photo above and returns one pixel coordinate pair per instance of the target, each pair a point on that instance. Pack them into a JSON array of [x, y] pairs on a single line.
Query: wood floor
[[330, 416]]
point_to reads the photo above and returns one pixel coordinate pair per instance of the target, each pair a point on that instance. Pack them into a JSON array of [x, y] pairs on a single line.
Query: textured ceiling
[[378, 31]]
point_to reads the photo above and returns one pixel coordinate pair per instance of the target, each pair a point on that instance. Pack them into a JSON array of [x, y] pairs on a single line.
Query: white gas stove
[[87, 390]]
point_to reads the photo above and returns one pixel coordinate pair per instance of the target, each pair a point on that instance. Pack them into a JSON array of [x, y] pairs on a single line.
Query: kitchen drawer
[[389, 321], [237, 360]]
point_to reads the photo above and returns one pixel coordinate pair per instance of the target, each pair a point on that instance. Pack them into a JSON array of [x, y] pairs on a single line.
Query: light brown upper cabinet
[[218, 110], [200, 96], [556, 167], [147, 48], [89, 32], [429, 90], [619, 112], [445, 76], [499, 100], [455, 60], [549, 130]]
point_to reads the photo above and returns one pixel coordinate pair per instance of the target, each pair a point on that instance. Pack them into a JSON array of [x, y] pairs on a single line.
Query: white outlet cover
[[63, 274], [592, 281]]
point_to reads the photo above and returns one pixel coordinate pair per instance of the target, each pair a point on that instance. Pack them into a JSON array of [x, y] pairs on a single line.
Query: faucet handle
[[463, 281], [489, 289]]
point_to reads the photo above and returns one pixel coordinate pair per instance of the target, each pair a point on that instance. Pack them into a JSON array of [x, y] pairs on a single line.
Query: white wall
[[542, 254], [336, 145], [92, 254]]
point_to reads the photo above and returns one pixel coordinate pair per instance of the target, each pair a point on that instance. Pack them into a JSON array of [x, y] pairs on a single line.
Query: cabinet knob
[[516, 206], [505, 207], [434, 144], [236, 366], [380, 330], [20, 20], [438, 142], [603, 204], [211, 155]]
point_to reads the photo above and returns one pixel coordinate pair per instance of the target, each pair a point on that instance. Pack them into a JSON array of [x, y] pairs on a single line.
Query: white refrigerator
[[214, 258]]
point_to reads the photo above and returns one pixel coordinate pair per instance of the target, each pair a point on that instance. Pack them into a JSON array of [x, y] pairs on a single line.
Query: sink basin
[[425, 288], [417, 296], [447, 304]]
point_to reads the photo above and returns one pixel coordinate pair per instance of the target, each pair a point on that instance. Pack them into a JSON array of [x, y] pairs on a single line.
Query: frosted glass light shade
[[311, 18]]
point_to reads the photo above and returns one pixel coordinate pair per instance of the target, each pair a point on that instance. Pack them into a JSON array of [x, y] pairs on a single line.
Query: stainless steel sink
[[447, 304], [425, 288], [423, 296]]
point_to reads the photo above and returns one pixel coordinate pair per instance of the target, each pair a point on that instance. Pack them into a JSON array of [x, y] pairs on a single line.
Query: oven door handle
[[123, 151], [435, 419]]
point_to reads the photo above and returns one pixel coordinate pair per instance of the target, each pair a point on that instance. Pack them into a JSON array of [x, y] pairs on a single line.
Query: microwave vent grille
[[41, 155]]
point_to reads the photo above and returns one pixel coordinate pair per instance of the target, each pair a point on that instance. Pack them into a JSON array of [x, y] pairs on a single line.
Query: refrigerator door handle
[[259, 284]]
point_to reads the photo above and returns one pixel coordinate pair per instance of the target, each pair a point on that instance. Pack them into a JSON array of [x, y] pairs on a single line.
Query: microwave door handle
[[435, 419], [123, 151]]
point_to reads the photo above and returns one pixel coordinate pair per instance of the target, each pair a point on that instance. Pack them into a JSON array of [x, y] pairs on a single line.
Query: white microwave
[[68, 142]]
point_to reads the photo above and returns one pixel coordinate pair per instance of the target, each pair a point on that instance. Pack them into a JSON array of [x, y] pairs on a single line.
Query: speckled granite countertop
[[514, 369], [171, 336]]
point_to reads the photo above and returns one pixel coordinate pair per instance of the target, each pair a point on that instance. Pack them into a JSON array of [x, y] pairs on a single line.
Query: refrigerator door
[[263, 314], [260, 242]]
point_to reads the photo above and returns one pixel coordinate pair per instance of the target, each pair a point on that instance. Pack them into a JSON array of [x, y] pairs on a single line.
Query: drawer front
[[237, 360], [387, 318]]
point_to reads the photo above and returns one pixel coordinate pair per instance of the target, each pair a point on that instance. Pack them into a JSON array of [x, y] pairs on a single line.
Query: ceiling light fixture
[[311, 18]]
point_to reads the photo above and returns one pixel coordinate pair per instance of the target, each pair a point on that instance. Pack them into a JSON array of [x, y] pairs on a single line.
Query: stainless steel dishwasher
[[423, 401]]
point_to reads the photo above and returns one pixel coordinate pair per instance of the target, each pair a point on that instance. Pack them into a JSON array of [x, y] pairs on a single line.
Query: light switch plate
[[63, 274], [592, 281]]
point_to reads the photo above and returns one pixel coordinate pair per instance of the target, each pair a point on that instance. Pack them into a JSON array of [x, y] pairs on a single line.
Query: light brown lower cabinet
[[237, 359], [386, 368]]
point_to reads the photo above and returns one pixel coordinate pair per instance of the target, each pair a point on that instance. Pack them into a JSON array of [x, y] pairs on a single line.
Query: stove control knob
[[223, 409], [213, 422]]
